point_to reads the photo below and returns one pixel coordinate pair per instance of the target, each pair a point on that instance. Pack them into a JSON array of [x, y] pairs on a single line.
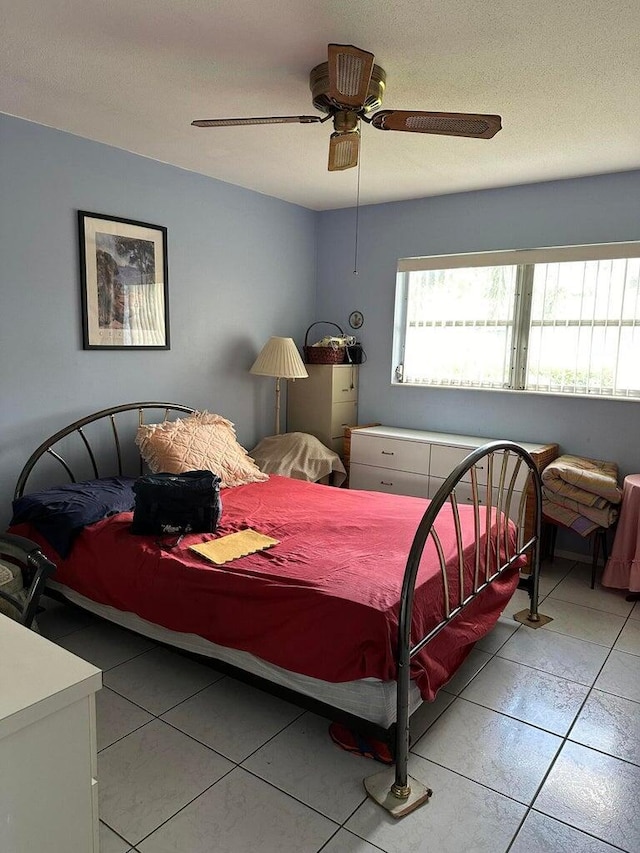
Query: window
[[561, 320]]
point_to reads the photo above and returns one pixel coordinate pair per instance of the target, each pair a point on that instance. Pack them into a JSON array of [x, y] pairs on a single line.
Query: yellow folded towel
[[587, 481], [233, 545]]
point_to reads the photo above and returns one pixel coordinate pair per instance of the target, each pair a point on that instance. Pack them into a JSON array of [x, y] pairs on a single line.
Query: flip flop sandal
[[358, 745]]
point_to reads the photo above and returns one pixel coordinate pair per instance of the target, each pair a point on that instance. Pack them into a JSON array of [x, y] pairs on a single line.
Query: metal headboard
[[76, 429]]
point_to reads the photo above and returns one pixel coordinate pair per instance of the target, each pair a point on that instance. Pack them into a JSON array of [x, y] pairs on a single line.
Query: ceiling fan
[[347, 88]]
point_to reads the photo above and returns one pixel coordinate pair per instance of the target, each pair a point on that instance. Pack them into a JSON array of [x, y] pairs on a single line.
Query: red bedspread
[[323, 602]]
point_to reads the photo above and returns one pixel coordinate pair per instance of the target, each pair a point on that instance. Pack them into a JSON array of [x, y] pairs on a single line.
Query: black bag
[[177, 503]]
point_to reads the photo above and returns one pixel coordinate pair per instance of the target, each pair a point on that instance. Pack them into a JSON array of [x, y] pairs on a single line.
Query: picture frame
[[124, 283]]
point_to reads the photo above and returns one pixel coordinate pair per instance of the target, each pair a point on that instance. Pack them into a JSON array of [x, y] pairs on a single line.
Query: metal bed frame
[[392, 788]]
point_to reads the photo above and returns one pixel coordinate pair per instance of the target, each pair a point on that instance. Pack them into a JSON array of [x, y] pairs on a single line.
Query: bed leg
[[531, 617], [394, 789], [398, 801]]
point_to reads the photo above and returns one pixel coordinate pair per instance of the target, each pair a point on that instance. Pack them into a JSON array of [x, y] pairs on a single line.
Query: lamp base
[[277, 429]]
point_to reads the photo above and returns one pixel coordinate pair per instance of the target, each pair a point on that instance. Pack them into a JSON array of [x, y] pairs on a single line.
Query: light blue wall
[[241, 268], [590, 210]]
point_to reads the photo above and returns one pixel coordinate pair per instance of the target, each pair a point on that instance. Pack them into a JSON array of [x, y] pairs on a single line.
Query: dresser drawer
[[445, 458], [463, 490], [384, 480], [464, 495], [344, 383], [391, 453]]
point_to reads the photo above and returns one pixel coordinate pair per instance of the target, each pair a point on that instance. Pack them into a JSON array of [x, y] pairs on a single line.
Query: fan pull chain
[[355, 256]]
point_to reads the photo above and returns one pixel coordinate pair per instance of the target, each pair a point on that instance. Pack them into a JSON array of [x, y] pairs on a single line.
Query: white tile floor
[[533, 746]]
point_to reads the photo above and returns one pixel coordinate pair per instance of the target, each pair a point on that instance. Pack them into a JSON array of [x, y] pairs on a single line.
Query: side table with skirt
[[623, 566]]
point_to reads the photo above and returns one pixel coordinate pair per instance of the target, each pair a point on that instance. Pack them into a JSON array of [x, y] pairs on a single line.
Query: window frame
[[525, 260]]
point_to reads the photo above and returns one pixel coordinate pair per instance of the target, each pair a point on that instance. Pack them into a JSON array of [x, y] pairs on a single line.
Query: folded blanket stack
[[580, 493]]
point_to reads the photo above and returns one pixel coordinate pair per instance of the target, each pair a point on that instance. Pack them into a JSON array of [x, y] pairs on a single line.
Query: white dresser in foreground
[[48, 753], [417, 462]]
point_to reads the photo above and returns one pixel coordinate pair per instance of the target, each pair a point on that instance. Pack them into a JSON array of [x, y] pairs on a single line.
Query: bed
[[367, 605]]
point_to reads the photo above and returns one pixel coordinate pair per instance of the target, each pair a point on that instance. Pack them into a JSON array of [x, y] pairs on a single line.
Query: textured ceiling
[[564, 76]]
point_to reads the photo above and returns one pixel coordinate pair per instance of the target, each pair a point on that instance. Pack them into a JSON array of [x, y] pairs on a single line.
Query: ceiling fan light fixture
[[345, 121], [343, 150]]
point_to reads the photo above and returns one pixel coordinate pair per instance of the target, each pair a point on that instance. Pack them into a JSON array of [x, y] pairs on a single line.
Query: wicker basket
[[324, 355]]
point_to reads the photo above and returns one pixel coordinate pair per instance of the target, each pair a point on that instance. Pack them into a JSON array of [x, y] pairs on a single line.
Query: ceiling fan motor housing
[[319, 85]]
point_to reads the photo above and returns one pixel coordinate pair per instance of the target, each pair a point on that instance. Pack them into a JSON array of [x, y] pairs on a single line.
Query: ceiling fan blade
[[232, 122], [472, 125], [349, 75], [343, 150]]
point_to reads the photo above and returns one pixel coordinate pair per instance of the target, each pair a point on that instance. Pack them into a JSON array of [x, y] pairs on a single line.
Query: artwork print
[[123, 267]]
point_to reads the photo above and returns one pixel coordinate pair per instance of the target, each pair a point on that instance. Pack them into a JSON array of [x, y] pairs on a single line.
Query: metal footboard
[[394, 789]]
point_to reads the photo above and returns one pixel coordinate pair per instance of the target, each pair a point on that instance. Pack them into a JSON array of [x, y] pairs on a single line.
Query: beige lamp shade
[[279, 358]]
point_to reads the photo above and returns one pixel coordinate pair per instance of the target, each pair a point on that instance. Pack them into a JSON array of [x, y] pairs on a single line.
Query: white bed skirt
[[368, 698]]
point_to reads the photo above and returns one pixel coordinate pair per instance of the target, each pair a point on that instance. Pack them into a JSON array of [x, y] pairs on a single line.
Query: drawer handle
[[387, 452], [384, 483]]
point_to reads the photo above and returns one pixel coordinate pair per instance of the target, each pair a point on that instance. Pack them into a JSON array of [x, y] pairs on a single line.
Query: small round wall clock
[[356, 319]]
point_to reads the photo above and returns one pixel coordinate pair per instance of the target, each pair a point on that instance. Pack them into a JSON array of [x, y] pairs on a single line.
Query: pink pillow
[[200, 441]]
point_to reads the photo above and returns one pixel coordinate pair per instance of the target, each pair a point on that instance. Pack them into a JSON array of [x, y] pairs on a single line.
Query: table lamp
[[279, 358]]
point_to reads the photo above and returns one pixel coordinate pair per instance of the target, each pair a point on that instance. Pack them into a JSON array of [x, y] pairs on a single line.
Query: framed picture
[[123, 273]]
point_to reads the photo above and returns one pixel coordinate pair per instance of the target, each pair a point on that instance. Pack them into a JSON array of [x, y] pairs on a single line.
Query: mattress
[[369, 698]]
